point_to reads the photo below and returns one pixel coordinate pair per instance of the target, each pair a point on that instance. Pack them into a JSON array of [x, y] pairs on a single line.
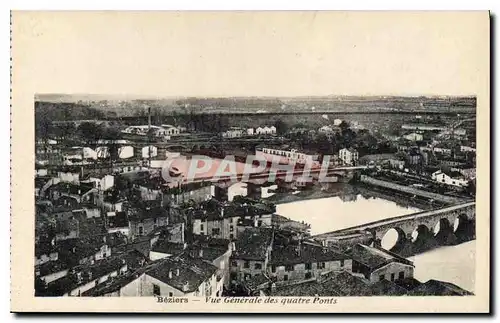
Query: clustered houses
[[236, 132]]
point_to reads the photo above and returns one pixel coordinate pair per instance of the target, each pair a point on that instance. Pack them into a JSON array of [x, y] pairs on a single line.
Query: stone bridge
[[417, 231]]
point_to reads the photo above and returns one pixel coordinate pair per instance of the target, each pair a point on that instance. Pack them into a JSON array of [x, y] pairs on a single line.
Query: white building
[[250, 131], [171, 130], [326, 130], [233, 133], [452, 178], [266, 130], [89, 153], [348, 156], [337, 122], [176, 278], [414, 136], [291, 156], [102, 152], [126, 152], [149, 151]]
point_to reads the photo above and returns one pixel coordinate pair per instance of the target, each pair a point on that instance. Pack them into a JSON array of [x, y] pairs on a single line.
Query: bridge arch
[[394, 239], [420, 234], [460, 223]]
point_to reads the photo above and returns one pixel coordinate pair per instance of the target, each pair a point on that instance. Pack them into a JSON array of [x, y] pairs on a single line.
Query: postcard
[[250, 161]]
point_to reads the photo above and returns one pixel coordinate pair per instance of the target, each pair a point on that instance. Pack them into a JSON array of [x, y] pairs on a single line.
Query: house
[[265, 130], [377, 264], [125, 152], [82, 278], [83, 192], [252, 254], [466, 148], [89, 153], [233, 132], [118, 222], [101, 183], [250, 131], [326, 130], [304, 260], [102, 152], [144, 218], [221, 220], [339, 283], [452, 178], [348, 156], [171, 130], [414, 136], [337, 122], [149, 151], [182, 276]]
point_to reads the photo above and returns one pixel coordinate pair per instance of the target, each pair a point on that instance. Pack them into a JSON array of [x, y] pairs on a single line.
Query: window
[[156, 290], [247, 264], [401, 275], [201, 227], [141, 231], [259, 223], [321, 265], [308, 275], [215, 231], [170, 294], [234, 263], [258, 265], [381, 277], [273, 268], [308, 266], [231, 236], [285, 278], [289, 268], [392, 277], [231, 229], [342, 263]]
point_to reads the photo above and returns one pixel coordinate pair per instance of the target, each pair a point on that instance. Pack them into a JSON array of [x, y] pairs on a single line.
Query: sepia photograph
[[252, 159]]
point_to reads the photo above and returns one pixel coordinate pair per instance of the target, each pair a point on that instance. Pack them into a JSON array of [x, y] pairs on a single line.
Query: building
[[337, 122], [182, 276], [292, 156], [250, 131], [252, 254], [171, 130], [348, 156], [376, 264], [149, 151], [233, 132], [304, 260], [146, 217], [414, 136], [125, 152], [423, 127], [265, 130], [452, 178]]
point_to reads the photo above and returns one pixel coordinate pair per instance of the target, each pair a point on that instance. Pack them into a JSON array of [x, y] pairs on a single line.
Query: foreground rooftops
[[375, 258]]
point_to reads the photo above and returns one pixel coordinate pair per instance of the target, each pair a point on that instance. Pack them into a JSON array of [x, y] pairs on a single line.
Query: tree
[[281, 126], [90, 131]]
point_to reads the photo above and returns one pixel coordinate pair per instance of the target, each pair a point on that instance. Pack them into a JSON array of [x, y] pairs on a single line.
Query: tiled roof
[[185, 274], [295, 254], [253, 243], [438, 288], [375, 258]]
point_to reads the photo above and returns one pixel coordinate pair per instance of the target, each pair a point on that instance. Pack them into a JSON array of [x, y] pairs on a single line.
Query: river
[[334, 213]]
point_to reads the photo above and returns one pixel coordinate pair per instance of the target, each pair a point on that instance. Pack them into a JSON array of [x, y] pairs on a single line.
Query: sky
[[251, 53]]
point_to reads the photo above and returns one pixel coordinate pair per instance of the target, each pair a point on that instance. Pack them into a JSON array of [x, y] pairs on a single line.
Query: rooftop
[[375, 258], [253, 243], [185, 274]]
